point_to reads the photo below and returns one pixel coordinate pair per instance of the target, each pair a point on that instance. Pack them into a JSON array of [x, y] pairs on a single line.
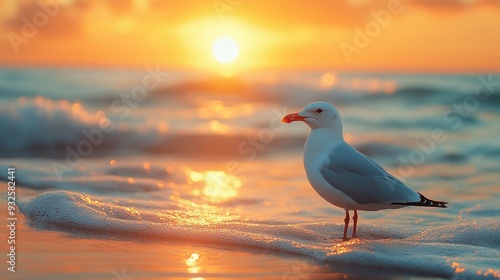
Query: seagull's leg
[[355, 219], [346, 224]]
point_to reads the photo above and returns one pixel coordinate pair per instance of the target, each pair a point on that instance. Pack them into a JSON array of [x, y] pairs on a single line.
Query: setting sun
[[225, 50]]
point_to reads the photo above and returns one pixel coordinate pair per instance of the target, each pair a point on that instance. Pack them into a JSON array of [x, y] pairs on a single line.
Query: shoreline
[[69, 256]]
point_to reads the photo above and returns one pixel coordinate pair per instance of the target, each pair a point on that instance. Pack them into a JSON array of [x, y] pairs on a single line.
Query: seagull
[[345, 177]]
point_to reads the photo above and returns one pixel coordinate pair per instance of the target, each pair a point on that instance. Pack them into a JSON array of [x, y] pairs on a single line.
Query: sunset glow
[[347, 35]]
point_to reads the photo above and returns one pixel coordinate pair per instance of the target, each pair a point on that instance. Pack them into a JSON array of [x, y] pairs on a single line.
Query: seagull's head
[[316, 115]]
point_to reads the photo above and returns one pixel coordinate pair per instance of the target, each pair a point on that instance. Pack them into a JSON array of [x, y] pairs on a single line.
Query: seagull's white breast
[[318, 145]]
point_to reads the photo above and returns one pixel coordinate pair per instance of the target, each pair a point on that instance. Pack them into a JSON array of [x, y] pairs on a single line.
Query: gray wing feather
[[362, 179]]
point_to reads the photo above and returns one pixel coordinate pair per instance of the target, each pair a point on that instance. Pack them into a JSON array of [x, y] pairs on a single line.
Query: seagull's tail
[[424, 201]]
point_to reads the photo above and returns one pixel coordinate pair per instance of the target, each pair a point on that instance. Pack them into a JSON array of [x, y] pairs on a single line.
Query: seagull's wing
[[362, 179]]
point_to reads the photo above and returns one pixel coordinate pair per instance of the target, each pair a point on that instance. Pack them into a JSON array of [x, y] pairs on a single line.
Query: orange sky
[[411, 36]]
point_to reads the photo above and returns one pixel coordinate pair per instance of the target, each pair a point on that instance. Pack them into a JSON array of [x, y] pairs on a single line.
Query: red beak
[[292, 118]]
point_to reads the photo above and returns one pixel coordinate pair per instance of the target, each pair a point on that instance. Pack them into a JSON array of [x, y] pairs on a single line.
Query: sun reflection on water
[[458, 268], [494, 273], [214, 126], [199, 214], [193, 265], [210, 109], [343, 247], [328, 80], [218, 186]]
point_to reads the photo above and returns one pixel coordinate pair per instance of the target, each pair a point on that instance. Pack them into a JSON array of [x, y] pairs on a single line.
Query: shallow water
[[205, 162]]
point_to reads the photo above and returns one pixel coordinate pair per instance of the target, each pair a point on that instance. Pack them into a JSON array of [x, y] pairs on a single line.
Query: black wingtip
[[424, 201]]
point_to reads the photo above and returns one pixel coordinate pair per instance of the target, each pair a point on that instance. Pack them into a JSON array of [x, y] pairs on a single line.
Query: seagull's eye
[[319, 111]]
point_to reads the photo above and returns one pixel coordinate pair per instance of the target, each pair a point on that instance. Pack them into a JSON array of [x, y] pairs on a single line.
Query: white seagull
[[345, 177]]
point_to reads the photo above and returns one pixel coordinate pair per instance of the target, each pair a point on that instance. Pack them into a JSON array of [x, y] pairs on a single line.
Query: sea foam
[[461, 249]]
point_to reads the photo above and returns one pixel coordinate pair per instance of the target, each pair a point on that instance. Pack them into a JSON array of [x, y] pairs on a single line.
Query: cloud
[[51, 17], [454, 4], [290, 14], [280, 15]]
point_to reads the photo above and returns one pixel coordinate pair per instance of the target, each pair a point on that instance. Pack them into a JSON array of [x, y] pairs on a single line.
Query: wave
[[460, 249], [41, 127], [53, 128], [96, 184]]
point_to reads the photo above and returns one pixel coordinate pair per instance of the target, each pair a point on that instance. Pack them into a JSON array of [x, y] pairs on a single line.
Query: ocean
[[169, 174]]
